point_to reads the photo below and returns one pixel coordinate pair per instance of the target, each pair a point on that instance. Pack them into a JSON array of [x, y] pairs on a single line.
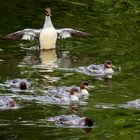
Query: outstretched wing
[[69, 32], [26, 34]]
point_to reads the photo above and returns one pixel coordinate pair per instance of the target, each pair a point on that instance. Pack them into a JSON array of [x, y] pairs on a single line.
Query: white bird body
[[108, 71], [74, 98], [48, 37], [84, 92]]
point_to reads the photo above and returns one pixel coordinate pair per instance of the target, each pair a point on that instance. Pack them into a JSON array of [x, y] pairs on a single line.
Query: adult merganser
[[73, 120], [48, 35], [7, 102]]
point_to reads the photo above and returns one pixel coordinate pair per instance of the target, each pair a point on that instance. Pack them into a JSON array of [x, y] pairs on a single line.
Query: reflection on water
[[47, 59], [131, 105], [75, 108], [45, 62]]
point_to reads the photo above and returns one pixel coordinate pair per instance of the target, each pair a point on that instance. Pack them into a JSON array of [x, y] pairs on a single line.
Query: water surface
[[115, 27]]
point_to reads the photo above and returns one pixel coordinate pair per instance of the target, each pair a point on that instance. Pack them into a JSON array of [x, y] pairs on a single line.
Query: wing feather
[[26, 34], [69, 32]]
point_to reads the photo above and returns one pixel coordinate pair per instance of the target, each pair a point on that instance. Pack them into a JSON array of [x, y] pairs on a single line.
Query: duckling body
[[84, 92], [99, 69], [71, 97], [74, 98], [73, 120], [81, 91], [65, 119], [96, 70], [135, 103], [22, 84], [7, 102], [108, 71]]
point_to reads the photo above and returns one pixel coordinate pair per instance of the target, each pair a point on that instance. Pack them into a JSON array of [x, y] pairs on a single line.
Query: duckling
[[22, 84], [97, 70], [6, 101], [105, 68], [64, 91], [72, 97], [135, 103], [83, 89], [71, 120]]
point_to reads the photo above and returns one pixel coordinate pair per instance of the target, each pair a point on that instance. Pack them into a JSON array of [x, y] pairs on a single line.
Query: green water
[[115, 26]]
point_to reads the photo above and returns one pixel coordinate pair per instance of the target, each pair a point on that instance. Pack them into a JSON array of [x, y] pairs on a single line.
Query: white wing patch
[[65, 35], [27, 37]]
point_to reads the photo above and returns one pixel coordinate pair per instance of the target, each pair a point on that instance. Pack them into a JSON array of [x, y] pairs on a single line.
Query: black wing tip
[[87, 34], [3, 37], [8, 38], [81, 34], [13, 36], [32, 34]]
